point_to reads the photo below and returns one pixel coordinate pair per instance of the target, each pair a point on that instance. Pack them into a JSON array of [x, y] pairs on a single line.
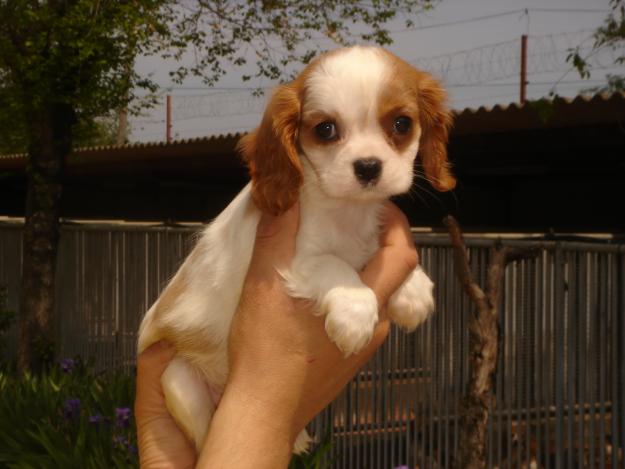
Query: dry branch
[[484, 337]]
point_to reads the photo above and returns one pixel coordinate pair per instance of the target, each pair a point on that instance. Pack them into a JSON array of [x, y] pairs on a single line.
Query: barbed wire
[[478, 66], [217, 105], [491, 62]]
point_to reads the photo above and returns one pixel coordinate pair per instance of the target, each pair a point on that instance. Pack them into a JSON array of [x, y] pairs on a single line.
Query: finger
[[275, 242], [395, 227], [153, 360], [151, 364], [396, 258]]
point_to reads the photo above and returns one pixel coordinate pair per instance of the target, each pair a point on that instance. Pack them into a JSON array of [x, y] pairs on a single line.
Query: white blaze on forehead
[[347, 83]]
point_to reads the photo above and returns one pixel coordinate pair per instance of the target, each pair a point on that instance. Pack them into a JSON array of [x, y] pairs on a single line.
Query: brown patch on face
[[271, 151], [396, 102], [308, 135], [418, 89]]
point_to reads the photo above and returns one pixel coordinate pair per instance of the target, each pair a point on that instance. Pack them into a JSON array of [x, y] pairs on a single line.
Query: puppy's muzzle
[[367, 170]]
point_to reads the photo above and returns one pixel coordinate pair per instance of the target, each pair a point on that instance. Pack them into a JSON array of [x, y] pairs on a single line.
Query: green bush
[[71, 417]]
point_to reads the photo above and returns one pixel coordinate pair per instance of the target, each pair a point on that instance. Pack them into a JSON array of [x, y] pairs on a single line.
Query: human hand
[[161, 443], [283, 367]]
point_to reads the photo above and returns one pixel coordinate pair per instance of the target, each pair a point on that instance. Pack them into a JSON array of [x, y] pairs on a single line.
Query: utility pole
[[168, 121], [523, 68]]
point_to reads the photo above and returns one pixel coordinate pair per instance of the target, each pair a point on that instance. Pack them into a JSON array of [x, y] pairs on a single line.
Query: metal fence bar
[[619, 448], [559, 354], [560, 385]]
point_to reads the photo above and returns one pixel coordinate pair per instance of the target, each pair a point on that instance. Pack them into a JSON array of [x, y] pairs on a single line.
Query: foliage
[[614, 83], [610, 35], [544, 108], [87, 133], [72, 417], [82, 53], [277, 33], [68, 417], [97, 132], [79, 54], [7, 318]]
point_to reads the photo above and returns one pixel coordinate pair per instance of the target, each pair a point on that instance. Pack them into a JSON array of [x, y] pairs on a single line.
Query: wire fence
[[483, 65], [559, 389]]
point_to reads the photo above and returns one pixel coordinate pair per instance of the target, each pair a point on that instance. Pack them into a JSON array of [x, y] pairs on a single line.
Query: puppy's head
[[359, 116]]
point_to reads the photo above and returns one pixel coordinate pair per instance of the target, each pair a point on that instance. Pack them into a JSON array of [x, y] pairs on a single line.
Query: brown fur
[[271, 152], [395, 102], [188, 340], [435, 121], [308, 134]]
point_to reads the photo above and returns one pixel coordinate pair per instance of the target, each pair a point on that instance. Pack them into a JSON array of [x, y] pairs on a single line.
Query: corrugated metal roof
[[585, 98], [556, 112], [545, 113], [147, 145], [184, 141]]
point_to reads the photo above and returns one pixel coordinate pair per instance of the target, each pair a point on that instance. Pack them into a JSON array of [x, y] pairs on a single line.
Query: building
[[539, 167]]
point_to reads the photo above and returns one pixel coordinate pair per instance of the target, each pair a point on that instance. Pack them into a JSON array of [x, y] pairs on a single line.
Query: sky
[[473, 46]]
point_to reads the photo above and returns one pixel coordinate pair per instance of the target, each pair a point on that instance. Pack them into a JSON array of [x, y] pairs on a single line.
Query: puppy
[[341, 138]]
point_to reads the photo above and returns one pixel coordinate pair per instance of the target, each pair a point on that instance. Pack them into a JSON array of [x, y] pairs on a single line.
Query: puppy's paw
[[351, 315], [413, 303]]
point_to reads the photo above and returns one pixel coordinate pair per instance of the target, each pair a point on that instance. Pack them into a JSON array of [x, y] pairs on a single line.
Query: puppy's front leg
[[351, 308]]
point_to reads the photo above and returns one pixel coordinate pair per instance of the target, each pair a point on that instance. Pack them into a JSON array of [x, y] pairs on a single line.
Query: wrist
[[270, 392], [264, 404], [246, 432]]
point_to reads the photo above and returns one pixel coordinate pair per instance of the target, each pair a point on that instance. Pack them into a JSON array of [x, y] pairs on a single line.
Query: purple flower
[[120, 440], [67, 365], [96, 419], [71, 408], [122, 415]]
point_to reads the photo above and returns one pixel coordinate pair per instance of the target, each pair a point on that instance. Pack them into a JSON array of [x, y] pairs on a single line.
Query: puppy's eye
[[402, 125], [326, 131]]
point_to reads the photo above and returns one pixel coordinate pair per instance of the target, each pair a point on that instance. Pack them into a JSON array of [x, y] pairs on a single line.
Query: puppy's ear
[[435, 120], [270, 152]]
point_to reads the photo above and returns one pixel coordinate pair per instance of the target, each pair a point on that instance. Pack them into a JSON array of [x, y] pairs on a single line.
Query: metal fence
[[560, 385]]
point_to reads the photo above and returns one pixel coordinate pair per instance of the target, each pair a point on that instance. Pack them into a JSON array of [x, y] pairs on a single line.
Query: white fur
[[338, 233]]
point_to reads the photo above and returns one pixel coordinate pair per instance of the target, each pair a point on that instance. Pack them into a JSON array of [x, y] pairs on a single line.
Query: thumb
[[274, 246]]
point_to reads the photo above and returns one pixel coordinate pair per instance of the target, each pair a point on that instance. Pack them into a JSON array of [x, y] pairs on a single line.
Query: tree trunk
[[478, 399], [50, 143], [484, 336]]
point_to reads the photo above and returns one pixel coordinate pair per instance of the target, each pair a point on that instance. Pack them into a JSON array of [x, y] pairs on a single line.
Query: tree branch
[[461, 263], [484, 337]]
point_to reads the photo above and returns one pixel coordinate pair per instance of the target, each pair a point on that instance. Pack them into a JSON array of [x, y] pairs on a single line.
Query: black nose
[[367, 170]]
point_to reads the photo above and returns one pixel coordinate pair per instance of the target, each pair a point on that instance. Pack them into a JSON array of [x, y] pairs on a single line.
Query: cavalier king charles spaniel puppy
[[342, 138]]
